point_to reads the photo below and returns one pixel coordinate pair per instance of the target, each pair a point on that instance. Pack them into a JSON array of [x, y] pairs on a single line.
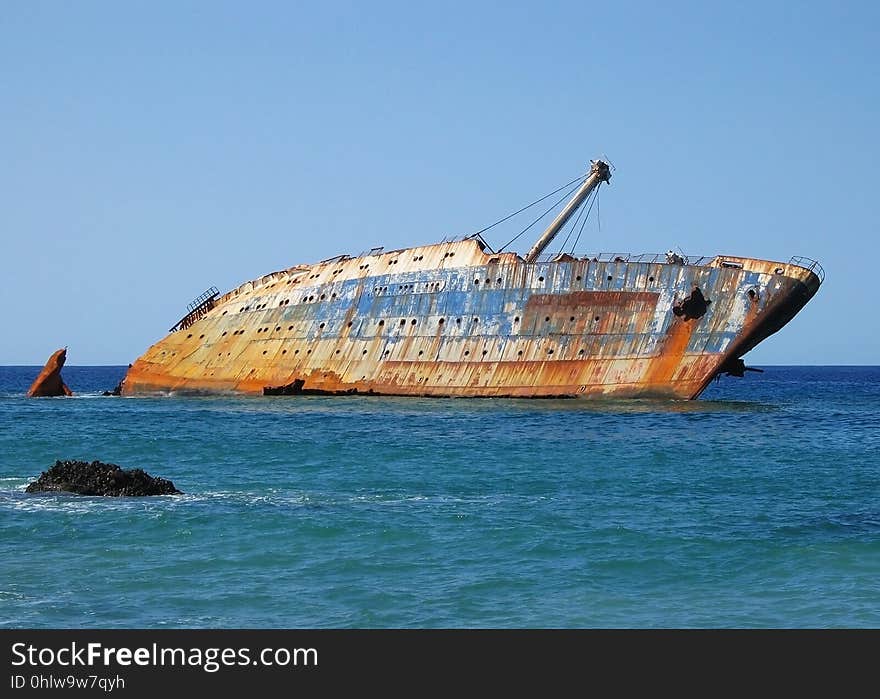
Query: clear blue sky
[[149, 150]]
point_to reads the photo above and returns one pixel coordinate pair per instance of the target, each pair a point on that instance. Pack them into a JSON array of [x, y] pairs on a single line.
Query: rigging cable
[[595, 199], [571, 228], [577, 218], [553, 206], [537, 201]]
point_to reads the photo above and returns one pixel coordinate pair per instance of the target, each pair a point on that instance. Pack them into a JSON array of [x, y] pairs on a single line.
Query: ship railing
[[336, 258], [372, 252], [197, 309], [644, 258], [809, 264]]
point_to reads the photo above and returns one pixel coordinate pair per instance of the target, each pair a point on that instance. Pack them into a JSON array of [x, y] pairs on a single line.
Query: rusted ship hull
[[455, 319]]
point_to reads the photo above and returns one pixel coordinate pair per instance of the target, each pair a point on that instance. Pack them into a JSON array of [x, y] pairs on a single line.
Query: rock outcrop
[[97, 478], [117, 391], [49, 381]]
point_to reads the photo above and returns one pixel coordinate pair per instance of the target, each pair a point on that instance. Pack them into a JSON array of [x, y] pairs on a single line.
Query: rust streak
[[671, 352]]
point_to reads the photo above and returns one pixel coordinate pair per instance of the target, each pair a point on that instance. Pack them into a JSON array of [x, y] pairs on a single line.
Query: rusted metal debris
[[49, 381]]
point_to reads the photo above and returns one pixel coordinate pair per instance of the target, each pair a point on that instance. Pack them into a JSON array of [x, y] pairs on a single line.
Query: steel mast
[[599, 172]]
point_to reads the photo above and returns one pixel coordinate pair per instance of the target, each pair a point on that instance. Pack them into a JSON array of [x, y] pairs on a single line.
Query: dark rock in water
[[297, 388], [117, 391], [49, 381], [294, 388], [98, 478]]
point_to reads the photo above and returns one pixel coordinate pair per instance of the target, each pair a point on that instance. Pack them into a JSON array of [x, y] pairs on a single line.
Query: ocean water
[[756, 506]]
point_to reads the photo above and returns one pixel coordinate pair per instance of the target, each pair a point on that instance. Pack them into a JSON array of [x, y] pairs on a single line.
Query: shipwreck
[[457, 318]]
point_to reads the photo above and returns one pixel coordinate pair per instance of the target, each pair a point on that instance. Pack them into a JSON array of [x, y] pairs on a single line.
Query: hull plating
[[453, 320]]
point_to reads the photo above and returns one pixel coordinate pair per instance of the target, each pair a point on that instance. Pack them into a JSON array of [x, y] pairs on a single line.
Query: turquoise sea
[[756, 506]]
